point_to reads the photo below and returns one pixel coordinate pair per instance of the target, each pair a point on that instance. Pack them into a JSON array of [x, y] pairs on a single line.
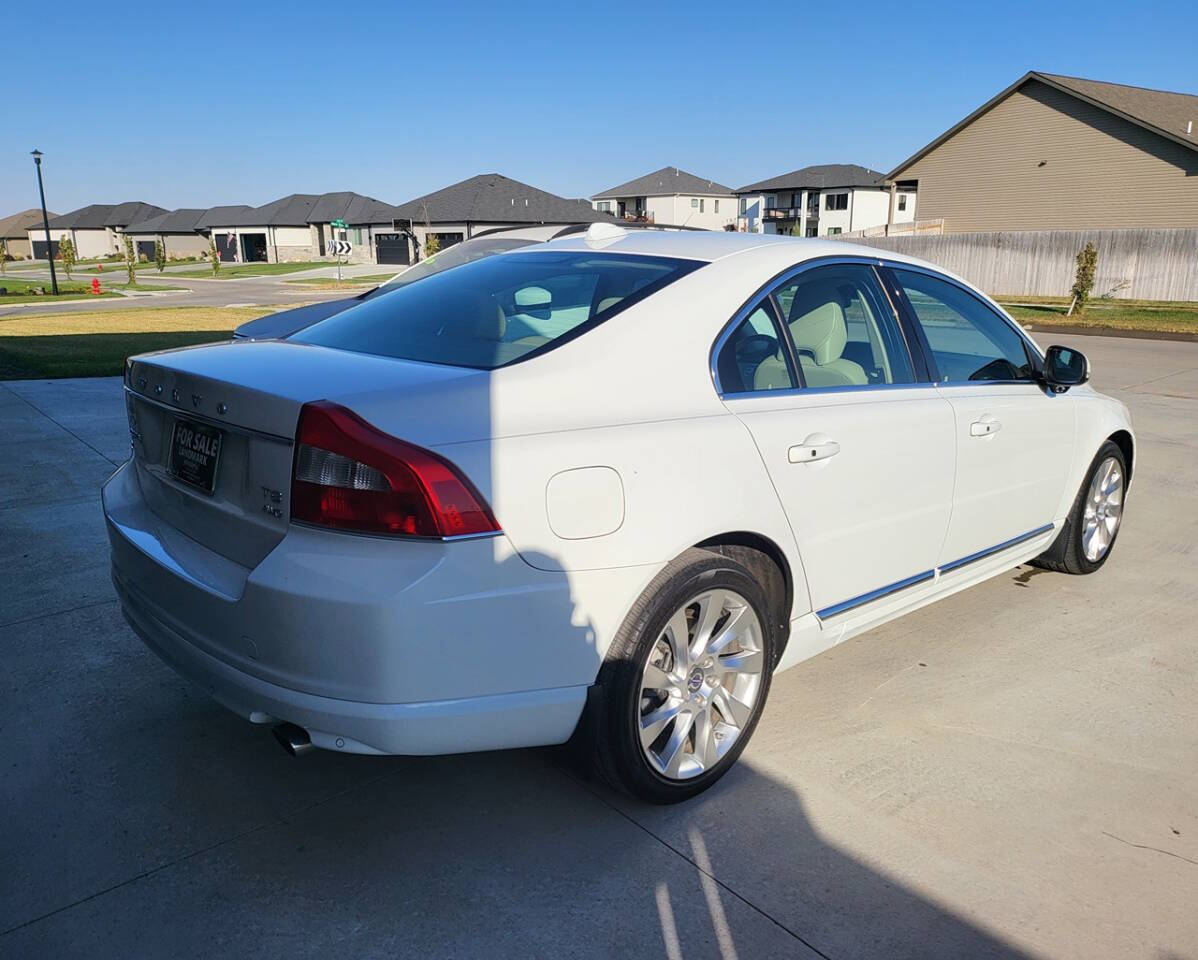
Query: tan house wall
[[1099, 171]]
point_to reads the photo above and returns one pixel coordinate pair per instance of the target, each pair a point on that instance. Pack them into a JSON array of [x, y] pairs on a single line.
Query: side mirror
[[1065, 367]]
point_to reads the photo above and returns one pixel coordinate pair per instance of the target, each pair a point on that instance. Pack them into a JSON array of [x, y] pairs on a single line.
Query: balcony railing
[[790, 213]]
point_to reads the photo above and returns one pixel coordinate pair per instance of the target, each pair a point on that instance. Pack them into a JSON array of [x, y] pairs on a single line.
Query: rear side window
[[494, 311], [968, 340], [843, 329]]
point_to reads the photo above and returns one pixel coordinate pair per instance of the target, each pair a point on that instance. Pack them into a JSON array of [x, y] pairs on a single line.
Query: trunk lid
[[249, 395]]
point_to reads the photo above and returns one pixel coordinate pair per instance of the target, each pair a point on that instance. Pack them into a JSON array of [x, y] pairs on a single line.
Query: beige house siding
[[1099, 172]]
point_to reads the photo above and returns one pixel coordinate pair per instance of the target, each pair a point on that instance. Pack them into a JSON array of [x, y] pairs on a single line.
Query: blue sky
[[199, 104]]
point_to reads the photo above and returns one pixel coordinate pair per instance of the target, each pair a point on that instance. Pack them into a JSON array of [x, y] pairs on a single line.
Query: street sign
[[339, 224], [340, 248]]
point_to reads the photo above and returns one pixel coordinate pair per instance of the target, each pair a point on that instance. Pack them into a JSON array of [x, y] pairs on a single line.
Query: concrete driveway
[[1011, 772]]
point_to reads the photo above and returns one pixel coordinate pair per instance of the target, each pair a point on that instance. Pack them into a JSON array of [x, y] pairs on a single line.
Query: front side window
[[968, 340], [753, 359], [494, 311], [603, 206], [843, 329], [716, 209], [902, 201], [744, 204], [694, 201], [836, 201], [834, 231]]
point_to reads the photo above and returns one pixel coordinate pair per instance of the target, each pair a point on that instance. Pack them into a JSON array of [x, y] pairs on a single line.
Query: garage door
[[145, 248], [392, 248]]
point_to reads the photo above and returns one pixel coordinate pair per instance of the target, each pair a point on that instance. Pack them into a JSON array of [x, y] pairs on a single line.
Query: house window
[[771, 202], [717, 206], [358, 235], [902, 205], [694, 201], [813, 231], [744, 205], [832, 231], [700, 204], [836, 201], [603, 206]]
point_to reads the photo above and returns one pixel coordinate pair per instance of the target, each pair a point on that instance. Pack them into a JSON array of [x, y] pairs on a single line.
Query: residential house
[[95, 230], [178, 231], [299, 227], [370, 227], [485, 202], [822, 200], [1052, 152], [671, 196], [14, 231]]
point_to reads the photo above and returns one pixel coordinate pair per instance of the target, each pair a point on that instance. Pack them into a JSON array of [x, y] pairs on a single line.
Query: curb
[[1121, 333]]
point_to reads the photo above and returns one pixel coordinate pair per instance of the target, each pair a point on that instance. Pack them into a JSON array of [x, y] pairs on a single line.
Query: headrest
[[817, 322]]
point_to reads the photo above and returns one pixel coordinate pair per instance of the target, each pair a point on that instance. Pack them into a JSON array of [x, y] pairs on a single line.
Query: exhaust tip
[[293, 739]]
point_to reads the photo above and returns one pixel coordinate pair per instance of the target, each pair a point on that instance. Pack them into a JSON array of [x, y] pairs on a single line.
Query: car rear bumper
[[372, 646]]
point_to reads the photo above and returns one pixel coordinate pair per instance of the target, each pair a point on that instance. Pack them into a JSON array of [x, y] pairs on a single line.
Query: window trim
[[1034, 356], [767, 290]]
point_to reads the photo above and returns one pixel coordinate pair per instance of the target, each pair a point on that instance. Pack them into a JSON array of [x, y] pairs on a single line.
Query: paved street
[[1010, 772], [261, 291]]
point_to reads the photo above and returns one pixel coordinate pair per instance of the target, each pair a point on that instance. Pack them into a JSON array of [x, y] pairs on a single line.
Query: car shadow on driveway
[[169, 827]]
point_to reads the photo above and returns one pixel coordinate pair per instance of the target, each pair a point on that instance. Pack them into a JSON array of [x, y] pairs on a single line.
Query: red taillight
[[352, 476]]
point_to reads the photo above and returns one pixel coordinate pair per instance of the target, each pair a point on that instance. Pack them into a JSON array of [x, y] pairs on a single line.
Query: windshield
[[497, 310], [455, 256]]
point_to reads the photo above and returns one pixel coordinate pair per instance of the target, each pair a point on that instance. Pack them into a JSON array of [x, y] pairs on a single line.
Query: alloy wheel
[[1104, 510], [700, 683]]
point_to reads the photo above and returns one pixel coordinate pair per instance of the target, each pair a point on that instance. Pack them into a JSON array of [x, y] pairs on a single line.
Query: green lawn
[[1142, 315], [331, 282], [96, 343], [21, 291], [89, 266], [230, 270]]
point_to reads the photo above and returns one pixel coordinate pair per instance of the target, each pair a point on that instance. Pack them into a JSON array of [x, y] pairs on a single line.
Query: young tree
[[159, 255], [66, 253], [431, 245], [3, 256], [130, 260], [796, 230], [214, 255], [1083, 281]]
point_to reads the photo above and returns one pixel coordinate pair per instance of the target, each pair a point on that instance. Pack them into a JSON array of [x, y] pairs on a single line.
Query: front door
[[1014, 438], [860, 451]]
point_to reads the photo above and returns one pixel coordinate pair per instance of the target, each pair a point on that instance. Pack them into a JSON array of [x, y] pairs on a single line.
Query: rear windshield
[[455, 256], [495, 311]]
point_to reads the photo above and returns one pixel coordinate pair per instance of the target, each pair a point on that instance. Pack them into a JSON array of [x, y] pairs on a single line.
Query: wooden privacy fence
[[1132, 264]]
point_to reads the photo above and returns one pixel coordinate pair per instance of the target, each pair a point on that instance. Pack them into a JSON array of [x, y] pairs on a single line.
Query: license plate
[[195, 450]]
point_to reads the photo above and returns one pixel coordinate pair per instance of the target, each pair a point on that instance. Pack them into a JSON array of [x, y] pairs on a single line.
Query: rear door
[[1014, 438], [858, 444]]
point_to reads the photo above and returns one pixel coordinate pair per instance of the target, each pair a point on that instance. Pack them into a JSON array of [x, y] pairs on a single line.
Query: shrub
[[1083, 281], [432, 244], [66, 253], [130, 260], [214, 255]]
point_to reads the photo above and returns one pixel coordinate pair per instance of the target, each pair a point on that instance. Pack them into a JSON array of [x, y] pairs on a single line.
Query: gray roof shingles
[[825, 176], [666, 182], [494, 198], [183, 220], [16, 227]]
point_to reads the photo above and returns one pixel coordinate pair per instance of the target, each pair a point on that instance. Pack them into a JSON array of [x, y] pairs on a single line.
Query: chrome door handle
[[984, 427], [815, 447]]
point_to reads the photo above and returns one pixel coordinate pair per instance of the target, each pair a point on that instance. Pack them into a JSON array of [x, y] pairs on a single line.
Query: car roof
[[712, 245]]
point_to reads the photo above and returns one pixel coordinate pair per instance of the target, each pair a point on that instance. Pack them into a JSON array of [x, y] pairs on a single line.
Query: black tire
[[1066, 555], [613, 711]]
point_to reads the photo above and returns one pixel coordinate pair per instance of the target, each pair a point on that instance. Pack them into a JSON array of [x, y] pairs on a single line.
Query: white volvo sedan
[[602, 488]]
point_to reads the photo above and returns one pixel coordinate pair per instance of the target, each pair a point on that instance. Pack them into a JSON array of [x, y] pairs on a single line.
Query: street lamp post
[[37, 161]]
